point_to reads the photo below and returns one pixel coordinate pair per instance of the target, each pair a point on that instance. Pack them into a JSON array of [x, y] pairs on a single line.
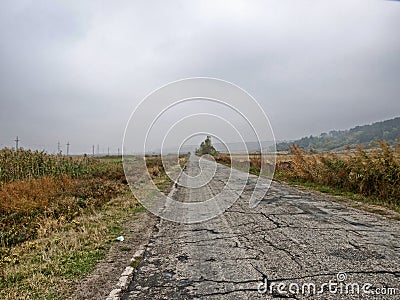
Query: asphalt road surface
[[294, 244]]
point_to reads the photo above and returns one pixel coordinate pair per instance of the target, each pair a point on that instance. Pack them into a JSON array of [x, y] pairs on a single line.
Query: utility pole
[[93, 149], [108, 151], [58, 148], [68, 148], [16, 143], [98, 149]]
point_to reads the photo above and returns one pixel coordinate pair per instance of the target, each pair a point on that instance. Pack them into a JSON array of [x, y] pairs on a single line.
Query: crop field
[[58, 217]]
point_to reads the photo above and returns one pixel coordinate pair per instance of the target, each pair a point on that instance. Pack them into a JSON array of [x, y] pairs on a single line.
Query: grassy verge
[[49, 266]]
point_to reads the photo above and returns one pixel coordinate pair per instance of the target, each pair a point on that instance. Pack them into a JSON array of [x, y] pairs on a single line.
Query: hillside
[[365, 135]]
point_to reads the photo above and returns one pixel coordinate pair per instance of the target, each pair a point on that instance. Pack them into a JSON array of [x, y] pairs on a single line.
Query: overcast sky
[[74, 70]]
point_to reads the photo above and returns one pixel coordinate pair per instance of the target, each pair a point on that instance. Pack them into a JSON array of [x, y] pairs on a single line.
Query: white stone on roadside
[[123, 281], [114, 294], [128, 271]]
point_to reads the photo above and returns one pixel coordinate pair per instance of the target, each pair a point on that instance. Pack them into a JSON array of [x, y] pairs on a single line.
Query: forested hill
[[365, 135]]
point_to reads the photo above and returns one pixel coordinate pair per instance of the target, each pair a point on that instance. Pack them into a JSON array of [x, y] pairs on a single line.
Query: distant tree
[[206, 147]]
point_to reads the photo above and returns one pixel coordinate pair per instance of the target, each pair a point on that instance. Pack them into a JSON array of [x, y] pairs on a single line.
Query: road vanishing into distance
[[294, 244]]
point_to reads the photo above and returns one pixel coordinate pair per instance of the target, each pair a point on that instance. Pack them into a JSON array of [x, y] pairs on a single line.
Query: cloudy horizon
[[74, 71]]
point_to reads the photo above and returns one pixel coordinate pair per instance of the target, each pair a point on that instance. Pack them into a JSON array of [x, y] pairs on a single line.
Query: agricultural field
[[58, 217], [371, 176]]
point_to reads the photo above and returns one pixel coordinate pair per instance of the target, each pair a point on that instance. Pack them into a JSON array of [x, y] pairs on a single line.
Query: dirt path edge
[[112, 275]]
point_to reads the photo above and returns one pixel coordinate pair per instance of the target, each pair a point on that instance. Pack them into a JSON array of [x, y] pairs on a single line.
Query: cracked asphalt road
[[292, 237]]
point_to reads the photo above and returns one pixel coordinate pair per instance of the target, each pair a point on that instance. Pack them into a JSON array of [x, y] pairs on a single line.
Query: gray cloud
[[74, 71]]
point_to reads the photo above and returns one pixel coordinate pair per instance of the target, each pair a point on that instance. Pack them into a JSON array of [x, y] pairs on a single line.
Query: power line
[[16, 143]]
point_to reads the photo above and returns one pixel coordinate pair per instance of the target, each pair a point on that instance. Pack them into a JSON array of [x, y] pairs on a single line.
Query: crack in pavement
[[290, 236]]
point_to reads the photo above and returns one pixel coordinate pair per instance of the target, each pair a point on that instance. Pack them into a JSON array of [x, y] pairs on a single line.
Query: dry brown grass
[[251, 162], [23, 204], [374, 173], [34, 194]]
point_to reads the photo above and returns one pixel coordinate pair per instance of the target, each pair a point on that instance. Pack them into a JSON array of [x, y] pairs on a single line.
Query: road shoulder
[[105, 278]]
